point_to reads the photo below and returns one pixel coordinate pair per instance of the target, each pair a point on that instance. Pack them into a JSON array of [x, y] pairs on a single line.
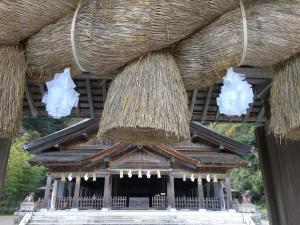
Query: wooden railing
[[187, 203], [38, 205], [212, 204], [64, 203], [159, 202], [195, 203], [90, 203], [119, 202]]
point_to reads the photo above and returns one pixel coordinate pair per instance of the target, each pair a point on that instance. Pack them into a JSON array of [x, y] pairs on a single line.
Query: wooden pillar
[[54, 194], [200, 194], [216, 191], [76, 192], [281, 172], [221, 195], [47, 192], [171, 192], [228, 192], [4, 153], [107, 191]]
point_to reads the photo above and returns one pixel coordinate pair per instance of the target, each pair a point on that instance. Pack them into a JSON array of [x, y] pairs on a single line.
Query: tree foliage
[[21, 178], [244, 179]]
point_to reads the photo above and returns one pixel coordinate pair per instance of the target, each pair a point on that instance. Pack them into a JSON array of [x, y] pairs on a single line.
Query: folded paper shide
[[61, 96], [236, 95]]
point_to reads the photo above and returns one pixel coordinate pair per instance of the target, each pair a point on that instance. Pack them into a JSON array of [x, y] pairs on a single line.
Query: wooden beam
[[30, 100], [261, 114], [250, 108], [90, 97], [42, 90], [193, 101], [207, 102], [264, 91], [217, 115], [255, 73], [4, 154], [104, 90]]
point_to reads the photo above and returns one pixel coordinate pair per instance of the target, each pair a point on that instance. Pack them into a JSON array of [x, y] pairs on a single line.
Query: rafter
[[207, 102], [261, 114], [193, 101], [90, 97], [30, 100]]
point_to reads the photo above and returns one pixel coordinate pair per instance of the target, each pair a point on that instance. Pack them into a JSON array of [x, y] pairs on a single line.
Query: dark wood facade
[[171, 169]]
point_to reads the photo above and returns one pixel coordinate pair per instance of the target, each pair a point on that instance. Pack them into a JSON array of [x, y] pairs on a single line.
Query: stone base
[[105, 209], [27, 207], [247, 208], [172, 209]]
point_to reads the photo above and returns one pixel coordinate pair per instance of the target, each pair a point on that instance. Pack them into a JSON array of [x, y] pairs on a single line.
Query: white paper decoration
[[61, 96], [236, 95]]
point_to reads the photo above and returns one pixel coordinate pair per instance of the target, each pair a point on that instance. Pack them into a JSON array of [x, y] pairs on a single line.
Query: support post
[[54, 194], [107, 191], [228, 192], [76, 192], [47, 192], [171, 192], [217, 192], [280, 170], [4, 154], [221, 194], [200, 194]]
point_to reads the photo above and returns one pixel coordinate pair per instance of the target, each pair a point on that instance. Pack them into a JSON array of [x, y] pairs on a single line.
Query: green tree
[[244, 179], [21, 178]]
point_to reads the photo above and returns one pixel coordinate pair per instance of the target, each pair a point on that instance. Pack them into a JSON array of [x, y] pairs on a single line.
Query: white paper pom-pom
[[61, 96], [236, 95]]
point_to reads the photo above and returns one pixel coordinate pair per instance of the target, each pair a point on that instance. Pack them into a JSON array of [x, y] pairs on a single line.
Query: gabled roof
[[91, 126], [220, 140]]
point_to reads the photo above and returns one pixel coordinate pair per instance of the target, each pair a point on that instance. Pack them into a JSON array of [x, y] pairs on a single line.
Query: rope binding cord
[[73, 38], [245, 28]]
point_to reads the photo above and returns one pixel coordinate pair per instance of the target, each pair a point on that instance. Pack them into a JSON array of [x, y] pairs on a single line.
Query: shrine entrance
[[139, 193]]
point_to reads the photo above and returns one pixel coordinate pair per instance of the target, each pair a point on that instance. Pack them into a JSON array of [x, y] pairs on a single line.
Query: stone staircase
[[92, 217]]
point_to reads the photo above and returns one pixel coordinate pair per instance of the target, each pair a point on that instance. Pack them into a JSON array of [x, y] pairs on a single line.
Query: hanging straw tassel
[[109, 34], [147, 103], [272, 35], [285, 99], [12, 77]]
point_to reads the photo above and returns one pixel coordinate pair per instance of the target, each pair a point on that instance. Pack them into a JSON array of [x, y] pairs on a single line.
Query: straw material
[[20, 19], [285, 99], [273, 35], [147, 103], [12, 76], [111, 33]]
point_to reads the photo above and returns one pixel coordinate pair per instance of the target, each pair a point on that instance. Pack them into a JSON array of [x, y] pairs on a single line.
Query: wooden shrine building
[[87, 173]]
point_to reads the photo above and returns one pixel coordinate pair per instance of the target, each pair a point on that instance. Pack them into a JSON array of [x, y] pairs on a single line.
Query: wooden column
[[200, 194], [54, 194], [171, 192], [107, 191], [76, 192], [221, 194], [4, 153], [216, 191], [228, 192], [47, 192], [281, 172]]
